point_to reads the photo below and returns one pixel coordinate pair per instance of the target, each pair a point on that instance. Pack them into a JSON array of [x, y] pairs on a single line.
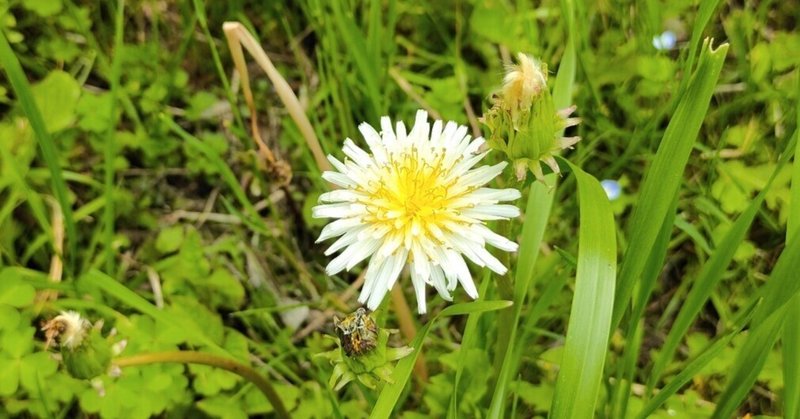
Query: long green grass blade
[[368, 67], [664, 177], [17, 179], [765, 327], [200, 15], [791, 330], [704, 14], [110, 146], [402, 371], [791, 361], [653, 267], [22, 88], [710, 275], [581, 371]]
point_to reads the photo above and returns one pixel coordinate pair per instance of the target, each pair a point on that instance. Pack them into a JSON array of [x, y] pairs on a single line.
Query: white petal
[[491, 261], [339, 210], [466, 248], [495, 239], [346, 240], [359, 156], [492, 212], [338, 179], [481, 175], [400, 132], [466, 164], [341, 195], [337, 164], [438, 281], [338, 227], [351, 256], [489, 195], [374, 142], [421, 266], [390, 244], [371, 279], [436, 133], [379, 291], [475, 145], [387, 133], [398, 263], [459, 267], [419, 288], [362, 250]]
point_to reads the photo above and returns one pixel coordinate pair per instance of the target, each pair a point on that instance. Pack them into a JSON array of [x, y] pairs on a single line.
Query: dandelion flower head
[[417, 199]]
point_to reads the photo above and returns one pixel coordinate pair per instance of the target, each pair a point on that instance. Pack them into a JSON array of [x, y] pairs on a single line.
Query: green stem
[[202, 358]]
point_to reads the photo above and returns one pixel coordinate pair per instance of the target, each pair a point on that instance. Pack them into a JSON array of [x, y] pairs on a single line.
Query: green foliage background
[[141, 168]]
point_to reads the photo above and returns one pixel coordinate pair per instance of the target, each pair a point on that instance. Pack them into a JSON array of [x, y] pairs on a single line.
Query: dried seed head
[[523, 82], [68, 328]]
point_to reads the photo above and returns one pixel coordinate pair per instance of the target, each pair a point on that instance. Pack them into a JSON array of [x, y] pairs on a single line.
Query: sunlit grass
[[158, 191]]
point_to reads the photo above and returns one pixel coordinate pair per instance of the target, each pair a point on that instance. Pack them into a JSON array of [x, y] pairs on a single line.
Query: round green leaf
[[57, 97]]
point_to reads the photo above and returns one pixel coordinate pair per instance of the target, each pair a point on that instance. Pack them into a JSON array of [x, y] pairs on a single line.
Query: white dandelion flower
[[415, 200]]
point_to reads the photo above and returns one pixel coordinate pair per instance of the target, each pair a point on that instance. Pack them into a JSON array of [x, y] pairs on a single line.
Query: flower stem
[[192, 357]]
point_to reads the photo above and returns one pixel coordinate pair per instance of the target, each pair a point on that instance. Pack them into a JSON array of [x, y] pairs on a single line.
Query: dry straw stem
[[238, 36], [56, 260], [56, 264]]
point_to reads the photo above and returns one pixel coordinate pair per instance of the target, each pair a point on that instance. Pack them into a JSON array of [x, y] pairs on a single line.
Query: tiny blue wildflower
[[612, 188], [666, 41]]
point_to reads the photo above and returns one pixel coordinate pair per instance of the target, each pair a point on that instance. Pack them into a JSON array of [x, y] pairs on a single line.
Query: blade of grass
[[710, 275], [469, 340], [19, 83], [704, 14], [581, 371], [200, 15], [627, 368], [537, 212], [219, 164], [768, 319], [791, 330], [391, 392], [663, 179], [113, 288], [791, 361], [110, 146], [17, 180], [696, 365], [368, 67]]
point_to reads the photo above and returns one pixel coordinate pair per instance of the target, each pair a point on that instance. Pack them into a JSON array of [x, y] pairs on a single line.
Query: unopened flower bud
[[524, 123]]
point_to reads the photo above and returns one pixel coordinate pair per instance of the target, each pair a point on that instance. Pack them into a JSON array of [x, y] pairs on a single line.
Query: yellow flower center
[[410, 194]]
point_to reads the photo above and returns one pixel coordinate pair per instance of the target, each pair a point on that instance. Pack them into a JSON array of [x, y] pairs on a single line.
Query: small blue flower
[[665, 41], [612, 188]]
